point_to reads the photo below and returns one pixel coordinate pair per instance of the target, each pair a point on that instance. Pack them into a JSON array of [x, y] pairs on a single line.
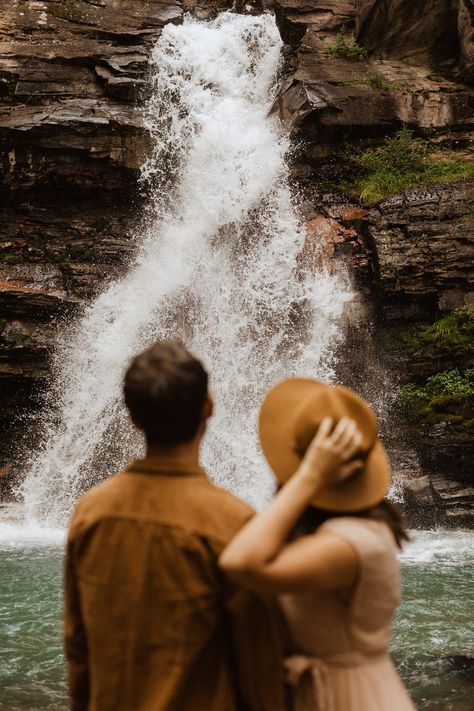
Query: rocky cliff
[[356, 72], [73, 74]]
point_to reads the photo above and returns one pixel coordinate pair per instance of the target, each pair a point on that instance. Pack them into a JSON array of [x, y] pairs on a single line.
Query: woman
[[327, 544]]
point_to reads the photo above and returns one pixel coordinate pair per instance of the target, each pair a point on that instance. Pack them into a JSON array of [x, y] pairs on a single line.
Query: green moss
[[451, 336], [402, 162], [347, 48], [12, 259], [435, 400], [410, 341], [80, 252], [375, 80]]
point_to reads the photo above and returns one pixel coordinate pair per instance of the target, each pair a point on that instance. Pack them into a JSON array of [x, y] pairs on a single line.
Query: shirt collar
[[161, 465]]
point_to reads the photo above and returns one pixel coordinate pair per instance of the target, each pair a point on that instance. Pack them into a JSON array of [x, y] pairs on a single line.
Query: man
[[150, 621]]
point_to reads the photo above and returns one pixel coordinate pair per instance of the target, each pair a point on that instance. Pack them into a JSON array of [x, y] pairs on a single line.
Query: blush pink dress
[[341, 660]]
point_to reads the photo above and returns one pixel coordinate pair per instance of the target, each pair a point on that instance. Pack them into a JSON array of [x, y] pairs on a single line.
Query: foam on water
[[444, 547], [219, 267], [20, 536]]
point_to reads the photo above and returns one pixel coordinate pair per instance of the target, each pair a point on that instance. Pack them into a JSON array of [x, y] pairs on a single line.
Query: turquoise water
[[435, 620]]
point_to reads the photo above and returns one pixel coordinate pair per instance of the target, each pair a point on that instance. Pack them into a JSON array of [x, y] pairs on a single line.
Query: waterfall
[[218, 266]]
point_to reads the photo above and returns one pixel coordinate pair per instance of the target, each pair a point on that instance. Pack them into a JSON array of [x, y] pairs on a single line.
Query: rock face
[[425, 251], [417, 33], [466, 39], [327, 92], [71, 144], [356, 70]]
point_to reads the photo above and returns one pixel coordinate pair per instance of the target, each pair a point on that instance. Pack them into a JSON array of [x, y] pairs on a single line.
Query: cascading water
[[219, 267]]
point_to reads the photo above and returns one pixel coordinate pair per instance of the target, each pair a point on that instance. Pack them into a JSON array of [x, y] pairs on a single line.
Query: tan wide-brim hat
[[289, 418]]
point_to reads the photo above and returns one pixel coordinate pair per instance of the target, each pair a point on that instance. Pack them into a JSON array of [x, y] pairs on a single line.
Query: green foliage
[[410, 341], [398, 154], [12, 259], [446, 396], [453, 334], [402, 162], [347, 48], [435, 400], [375, 80]]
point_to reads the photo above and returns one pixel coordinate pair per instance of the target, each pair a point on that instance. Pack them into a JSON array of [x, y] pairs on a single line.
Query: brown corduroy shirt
[[151, 624]]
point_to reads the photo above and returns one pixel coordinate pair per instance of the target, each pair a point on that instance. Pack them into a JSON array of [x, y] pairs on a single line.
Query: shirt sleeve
[[75, 638]]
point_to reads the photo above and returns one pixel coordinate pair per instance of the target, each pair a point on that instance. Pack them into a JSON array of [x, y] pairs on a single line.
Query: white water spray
[[219, 268]]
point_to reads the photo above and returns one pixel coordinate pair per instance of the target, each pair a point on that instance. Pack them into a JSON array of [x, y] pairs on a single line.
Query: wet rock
[[424, 250], [466, 39], [325, 92], [324, 234], [417, 33], [462, 661], [72, 141], [6, 483]]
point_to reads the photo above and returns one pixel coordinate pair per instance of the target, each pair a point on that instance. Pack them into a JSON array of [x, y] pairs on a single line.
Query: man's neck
[[186, 452]]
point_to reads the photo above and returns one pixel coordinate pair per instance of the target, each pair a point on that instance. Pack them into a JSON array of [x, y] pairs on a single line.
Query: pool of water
[[434, 622]]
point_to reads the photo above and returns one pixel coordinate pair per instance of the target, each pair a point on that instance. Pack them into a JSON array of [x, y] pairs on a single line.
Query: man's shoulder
[[98, 499], [219, 513], [200, 506]]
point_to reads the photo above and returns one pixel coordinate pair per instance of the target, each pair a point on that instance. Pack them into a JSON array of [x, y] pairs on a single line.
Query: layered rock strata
[[72, 75], [356, 71]]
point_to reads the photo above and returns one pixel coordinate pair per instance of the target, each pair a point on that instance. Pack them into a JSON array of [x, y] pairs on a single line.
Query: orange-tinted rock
[[323, 234]]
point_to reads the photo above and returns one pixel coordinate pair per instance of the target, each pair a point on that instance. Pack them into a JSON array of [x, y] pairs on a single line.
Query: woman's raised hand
[[328, 458]]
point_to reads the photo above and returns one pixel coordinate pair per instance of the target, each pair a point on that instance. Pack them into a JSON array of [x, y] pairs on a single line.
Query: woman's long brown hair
[[385, 511]]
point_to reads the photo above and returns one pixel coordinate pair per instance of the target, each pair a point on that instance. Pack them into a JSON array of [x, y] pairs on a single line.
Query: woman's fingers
[[340, 430], [352, 444], [333, 447], [323, 430], [347, 435], [346, 438]]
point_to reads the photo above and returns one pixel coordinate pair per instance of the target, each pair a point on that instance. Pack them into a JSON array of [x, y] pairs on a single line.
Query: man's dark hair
[[165, 388]]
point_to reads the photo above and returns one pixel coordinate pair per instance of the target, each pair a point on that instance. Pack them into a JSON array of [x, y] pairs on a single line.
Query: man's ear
[[208, 407]]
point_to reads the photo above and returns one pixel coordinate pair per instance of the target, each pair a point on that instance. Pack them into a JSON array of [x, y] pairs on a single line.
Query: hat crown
[[335, 402]]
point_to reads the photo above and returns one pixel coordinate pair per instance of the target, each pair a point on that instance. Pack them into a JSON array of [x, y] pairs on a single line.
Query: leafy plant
[[402, 162], [347, 48], [435, 400], [452, 334]]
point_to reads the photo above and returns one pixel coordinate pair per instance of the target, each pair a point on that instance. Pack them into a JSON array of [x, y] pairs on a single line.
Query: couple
[[171, 582]]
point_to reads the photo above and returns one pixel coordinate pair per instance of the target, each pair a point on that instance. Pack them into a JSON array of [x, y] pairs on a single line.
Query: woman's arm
[[259, 557]]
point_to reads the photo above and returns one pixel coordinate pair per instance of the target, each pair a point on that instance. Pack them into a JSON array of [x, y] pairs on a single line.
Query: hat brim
[[278, 416]]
